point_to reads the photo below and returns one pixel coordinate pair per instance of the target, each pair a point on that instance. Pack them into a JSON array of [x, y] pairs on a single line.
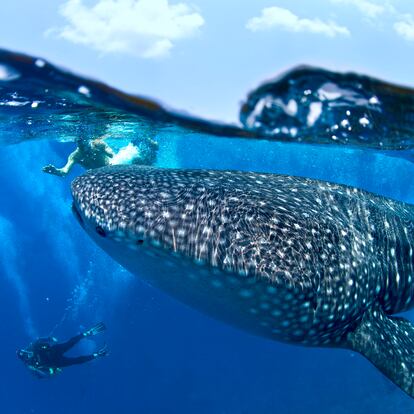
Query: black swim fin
[[98, 328], [388, 342]]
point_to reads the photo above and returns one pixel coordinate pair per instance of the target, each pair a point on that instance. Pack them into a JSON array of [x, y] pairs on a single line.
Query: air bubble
[[40, 63], [84, 90]]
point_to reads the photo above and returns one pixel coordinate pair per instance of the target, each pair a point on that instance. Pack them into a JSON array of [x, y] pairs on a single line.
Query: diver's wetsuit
[[53, 355]]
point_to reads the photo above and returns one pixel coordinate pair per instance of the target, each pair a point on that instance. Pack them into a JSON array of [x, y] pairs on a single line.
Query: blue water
[[165, 357]]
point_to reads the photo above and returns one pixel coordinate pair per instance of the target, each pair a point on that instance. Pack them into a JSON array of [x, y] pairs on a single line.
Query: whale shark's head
[[122, 204], [143, 208]]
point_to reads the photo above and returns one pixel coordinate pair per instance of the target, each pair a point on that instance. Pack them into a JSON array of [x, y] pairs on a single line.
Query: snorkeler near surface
[[97, 153], [45, 357]]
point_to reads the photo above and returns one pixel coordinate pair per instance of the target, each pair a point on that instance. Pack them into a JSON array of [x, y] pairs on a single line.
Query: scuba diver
[[96, 153], [45, 357]]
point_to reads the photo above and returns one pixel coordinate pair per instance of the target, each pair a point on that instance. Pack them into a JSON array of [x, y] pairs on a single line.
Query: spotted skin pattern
[[290, 258]]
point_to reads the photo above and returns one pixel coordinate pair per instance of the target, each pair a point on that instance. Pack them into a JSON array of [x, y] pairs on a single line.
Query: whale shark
[[293, 259]]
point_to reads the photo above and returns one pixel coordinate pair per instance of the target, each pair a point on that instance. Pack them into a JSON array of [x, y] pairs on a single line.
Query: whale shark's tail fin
[[388, 342]]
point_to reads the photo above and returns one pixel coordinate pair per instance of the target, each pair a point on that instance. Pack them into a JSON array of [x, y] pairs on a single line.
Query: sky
[[203, 56]]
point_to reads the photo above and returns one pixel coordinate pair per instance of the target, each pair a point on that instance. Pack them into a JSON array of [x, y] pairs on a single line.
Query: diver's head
[[83, 144], [24, 355]]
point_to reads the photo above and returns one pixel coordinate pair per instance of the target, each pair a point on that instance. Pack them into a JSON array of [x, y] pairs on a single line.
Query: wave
[[305, 105]]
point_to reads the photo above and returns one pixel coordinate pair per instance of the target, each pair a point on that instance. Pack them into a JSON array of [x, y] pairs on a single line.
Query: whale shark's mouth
[[77, 215]]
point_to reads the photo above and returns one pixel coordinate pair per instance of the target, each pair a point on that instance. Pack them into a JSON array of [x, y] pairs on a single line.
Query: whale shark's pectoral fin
[[388, 342]]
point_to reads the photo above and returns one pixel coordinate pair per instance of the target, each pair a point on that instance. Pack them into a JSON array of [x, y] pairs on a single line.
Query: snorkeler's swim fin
[[98, 328], [388, 342]]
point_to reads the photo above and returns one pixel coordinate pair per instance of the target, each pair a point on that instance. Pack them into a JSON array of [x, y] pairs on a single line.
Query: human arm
[[61, 172]]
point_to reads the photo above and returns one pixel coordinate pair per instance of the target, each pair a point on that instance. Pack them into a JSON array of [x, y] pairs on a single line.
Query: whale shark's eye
[[100, 231]]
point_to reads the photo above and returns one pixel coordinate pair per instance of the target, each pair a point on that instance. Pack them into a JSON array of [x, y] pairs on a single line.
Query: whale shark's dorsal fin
[[388, 342]]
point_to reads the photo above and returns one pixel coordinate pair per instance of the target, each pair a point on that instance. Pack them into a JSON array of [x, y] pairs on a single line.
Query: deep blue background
[[165, 357]]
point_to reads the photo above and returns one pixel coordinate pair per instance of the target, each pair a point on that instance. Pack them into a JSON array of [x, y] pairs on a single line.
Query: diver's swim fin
[[388, 342], [102, 352], [98, 328]]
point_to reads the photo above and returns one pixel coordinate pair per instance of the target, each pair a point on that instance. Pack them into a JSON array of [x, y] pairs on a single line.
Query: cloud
[[368, 8], [380, 11], [284, 19], [405, 27], [144, 28]]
